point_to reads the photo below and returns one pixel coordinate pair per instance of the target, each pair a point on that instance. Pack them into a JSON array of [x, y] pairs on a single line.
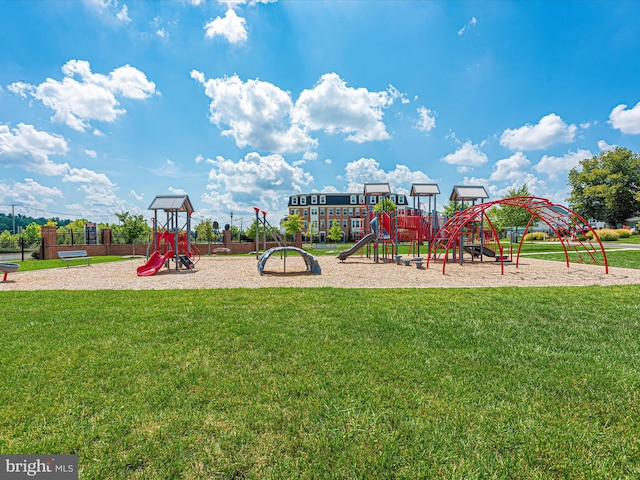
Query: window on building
[[361, 199], [305, 212], [314, 211], [401, 199], [344, 224], [322, 212], [354, 199], [351, 212], [393, 198], [321, 223], [323, 199], [303, 200], [314, 199], [357, 212], [294, 200], [372, 199], [330, 211], [344, 212], [292, 211]]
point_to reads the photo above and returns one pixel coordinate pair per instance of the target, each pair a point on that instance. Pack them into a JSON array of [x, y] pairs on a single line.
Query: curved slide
[[155, 263], [361, 243], [311, 261]]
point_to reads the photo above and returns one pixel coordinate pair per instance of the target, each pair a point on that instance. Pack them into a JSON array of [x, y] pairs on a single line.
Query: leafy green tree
[[450, 208], [335, 232], [250, 232], [292, 225], [312, 230], [385, 205], [205, 232], [606, 187], [32, 233], [8, 242], [133, 227], [507, 216]]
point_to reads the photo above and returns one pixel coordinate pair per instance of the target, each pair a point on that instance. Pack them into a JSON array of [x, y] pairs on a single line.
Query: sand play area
[[356, 272]]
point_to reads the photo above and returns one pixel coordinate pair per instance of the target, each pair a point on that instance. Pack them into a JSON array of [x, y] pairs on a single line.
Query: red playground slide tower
[[171, 241]]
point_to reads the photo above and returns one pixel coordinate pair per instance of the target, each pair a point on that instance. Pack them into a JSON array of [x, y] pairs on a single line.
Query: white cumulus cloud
[[231, 27], [367, 170], [550, 130], [554, 167], [29, 194], [334, 107], [426, 121], [83, 96], [468, 155], [254, 113], [513, 168], [263, 181], [30, 149], [261, 115], [627, 120]]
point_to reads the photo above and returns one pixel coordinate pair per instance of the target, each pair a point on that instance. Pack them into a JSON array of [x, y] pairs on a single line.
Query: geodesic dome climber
[[472, 231]]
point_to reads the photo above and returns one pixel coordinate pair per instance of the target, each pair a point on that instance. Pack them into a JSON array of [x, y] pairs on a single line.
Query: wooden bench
[[71, 255]]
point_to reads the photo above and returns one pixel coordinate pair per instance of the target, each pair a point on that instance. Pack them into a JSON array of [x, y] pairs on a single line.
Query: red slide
[[155, 263]]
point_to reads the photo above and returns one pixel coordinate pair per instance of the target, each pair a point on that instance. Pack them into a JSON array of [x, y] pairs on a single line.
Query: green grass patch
[[31, 264], [616, 257], [514, 383]]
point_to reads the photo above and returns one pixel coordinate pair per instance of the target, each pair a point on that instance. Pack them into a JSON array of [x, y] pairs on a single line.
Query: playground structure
[[171, 240], [465, 232], [311, 262], [383, 231], [7, 268], [469, 232]]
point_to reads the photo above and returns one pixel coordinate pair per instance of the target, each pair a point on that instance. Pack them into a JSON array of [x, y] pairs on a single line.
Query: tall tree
[[385, 205], [507, 216], [606, 187], [204, 231], [335, 232], [133, 227], [292, 225]]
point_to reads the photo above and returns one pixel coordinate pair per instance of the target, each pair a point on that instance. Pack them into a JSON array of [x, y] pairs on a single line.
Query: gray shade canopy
[[466, 193], [424, 190], [172, 203]]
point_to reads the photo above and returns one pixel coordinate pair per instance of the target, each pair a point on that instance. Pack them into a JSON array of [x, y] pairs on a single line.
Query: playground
[[358, 272]]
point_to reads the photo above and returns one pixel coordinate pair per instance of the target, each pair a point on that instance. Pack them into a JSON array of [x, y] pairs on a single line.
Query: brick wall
[[49, 250]]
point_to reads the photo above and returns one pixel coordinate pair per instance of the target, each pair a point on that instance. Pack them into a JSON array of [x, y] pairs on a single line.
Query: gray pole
[[257, 232]]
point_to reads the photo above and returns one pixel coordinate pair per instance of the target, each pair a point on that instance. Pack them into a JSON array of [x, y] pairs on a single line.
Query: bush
[[534, 236], [623, 232], [608, 235], [589, 235]]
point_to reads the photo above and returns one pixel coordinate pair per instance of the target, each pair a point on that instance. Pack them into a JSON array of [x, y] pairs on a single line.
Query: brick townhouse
[[348, 209]]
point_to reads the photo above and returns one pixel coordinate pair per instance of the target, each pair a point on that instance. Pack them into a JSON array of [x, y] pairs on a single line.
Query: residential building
[[321, 210]]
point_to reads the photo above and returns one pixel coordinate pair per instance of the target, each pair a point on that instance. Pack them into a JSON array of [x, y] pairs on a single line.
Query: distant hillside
[[6, 222]]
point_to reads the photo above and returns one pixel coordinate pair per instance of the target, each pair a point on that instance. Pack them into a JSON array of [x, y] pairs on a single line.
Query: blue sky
[[106, 104]]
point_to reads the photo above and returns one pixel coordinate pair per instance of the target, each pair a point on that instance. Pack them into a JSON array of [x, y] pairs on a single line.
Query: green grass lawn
[[31, 264], [506, 383]]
